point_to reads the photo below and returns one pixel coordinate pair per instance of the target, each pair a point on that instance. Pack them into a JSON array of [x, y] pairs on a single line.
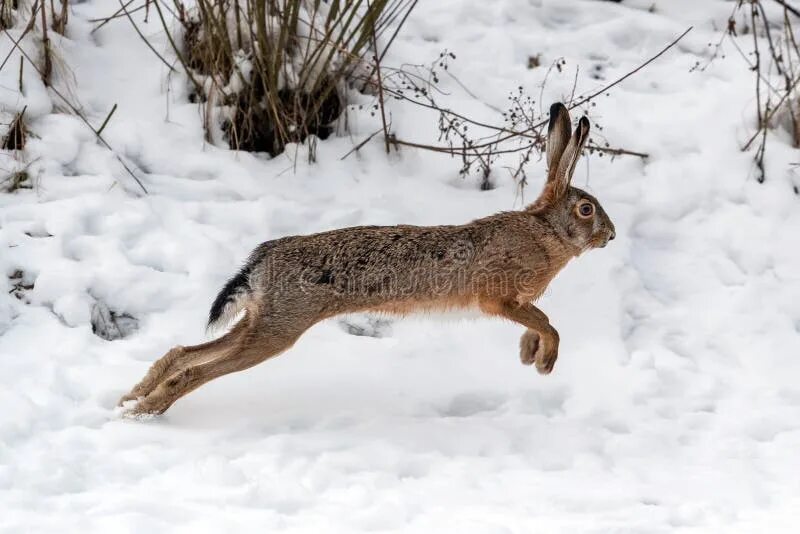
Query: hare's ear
[[566, 165], [558, 134]]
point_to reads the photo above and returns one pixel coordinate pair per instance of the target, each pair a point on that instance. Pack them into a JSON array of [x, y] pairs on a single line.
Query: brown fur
[[498, 264]]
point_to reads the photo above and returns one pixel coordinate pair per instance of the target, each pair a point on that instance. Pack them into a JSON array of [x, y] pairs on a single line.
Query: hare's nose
[[612, 235]]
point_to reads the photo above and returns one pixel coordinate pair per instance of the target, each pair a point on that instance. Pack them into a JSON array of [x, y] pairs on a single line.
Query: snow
[[674, 405]]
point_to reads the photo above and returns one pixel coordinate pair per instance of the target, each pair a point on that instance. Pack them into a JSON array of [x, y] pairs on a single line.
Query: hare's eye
[[586, 209]]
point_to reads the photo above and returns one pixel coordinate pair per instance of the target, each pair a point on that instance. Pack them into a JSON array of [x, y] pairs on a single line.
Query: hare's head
[[575, 215]]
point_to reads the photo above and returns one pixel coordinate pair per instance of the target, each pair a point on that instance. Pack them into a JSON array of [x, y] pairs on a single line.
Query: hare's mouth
[[603, 240]]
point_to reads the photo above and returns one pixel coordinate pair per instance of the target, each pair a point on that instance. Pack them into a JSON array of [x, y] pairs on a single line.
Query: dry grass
[[15, 181], [17, 133], [273, 72], [7, 8]]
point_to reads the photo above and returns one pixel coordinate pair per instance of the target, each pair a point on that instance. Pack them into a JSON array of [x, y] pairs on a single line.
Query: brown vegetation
[[272, 72]]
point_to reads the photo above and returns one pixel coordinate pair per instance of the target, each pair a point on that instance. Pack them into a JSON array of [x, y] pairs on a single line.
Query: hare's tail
[[233, 297]]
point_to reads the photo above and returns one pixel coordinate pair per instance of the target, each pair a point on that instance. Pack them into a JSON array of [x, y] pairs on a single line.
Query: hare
[[498, 264]]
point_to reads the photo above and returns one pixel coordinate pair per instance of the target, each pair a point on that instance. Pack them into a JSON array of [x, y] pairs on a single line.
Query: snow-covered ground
[[675, 403]]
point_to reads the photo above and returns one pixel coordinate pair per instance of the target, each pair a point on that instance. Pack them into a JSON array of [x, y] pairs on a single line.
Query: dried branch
[[124, 9], [377, 69], [47, 69], [108, 118], [787, 7], [511, 134], [119, 13], [618, 81]]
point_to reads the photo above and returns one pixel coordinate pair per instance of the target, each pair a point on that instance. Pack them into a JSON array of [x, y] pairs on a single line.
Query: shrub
[[272, 72]]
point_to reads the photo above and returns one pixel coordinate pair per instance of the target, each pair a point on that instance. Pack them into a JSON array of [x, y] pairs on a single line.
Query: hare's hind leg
[[250, 346], [177, 358]]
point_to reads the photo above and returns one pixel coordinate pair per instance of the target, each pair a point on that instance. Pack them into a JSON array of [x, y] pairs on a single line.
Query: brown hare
[[498, 264]]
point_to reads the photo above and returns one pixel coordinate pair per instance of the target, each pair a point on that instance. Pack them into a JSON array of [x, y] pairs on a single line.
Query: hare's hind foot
[[133, 408], [153, 404], [179, 358], [538, 349], [160, 369], [164, 395], [184, 369]]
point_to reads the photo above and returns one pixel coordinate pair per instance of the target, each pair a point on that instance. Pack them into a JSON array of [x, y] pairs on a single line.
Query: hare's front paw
[[541, 349], [528, 345]]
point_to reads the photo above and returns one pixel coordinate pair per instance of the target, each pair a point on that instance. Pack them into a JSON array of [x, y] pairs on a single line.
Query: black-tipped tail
[[227, 298], [232, 297]]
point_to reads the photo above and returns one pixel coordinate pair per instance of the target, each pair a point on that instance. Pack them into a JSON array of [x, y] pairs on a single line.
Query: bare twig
[[616, 151], [792, 10], [574, 83], [631, 73], [197, 85], [408, 10], [510, 134], [757, 66], [360, 145], [108, 118], [47, 70], [470, 93], [117, 14], [380, 88], [124, 9], [27, 29]]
